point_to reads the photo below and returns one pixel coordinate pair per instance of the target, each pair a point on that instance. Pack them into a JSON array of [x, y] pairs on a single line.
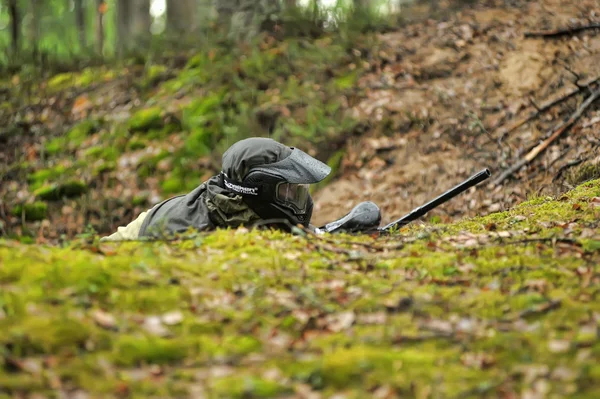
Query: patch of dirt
[[441, 96]]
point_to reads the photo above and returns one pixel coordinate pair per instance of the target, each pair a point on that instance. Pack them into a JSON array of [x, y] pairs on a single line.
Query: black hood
[[255, 167], [259, 154]]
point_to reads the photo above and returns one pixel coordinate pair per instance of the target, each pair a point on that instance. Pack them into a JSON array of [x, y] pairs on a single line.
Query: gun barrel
[[448, 195]]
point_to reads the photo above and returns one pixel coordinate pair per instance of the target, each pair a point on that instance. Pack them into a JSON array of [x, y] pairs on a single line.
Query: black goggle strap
[[240, 188]]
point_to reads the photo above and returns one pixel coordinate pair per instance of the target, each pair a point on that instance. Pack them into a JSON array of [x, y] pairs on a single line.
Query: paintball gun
[[366, 216]]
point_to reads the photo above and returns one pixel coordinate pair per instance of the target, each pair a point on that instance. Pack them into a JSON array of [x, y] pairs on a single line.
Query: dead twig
[[544, 107], [562, 31], [556, 133]]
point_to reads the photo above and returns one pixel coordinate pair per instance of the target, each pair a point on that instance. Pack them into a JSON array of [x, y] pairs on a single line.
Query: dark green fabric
[[207, 207], [210, 205], [255, 151]]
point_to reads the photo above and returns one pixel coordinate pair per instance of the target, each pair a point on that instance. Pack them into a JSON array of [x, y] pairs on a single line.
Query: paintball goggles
[[366, 216]]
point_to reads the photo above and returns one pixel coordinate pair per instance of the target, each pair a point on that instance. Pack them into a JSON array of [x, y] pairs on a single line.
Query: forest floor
[[503, 304]]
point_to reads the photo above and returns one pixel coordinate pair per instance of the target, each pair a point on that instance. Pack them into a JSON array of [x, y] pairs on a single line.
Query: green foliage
[[146, 119], [39, 177], [173, 185], [73, 139], [85, 78], [56, 191], [154, 74]]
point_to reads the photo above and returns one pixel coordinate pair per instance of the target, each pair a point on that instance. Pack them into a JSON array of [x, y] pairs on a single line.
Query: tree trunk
[[35, 28], [123, 25], [290, 4], [245, 18], [225, 9], [140, 20], [100, 9], [80, 22], [15, 25], [361, 4], [182, 16]]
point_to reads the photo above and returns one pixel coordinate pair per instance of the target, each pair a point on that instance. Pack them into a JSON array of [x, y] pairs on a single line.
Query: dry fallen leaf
[[558, 346], [104, 320], [478, 360], [340, 321], [154, 325], [172, 318]]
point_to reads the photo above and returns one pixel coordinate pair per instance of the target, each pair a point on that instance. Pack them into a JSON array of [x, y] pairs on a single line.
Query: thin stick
[[558, 131], [544, 107], [563, 31]]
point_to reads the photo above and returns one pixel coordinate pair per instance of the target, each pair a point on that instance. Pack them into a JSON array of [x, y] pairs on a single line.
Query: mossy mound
[[73, 138], [56, 191], [486, 307], [32, 211], [146, 119]]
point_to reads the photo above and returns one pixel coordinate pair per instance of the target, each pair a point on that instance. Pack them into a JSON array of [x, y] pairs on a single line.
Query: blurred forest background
[[109, 106], [46, 32]]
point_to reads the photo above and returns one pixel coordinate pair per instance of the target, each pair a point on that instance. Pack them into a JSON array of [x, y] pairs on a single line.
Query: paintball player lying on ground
[[261, 179]]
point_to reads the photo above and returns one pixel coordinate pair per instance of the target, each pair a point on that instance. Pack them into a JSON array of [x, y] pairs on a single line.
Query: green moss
[[68, 189], [197, 114], [136, 143], [173, 185], [248, 387], [61, 81], [154, 74], [81, 131], [110, 154], [31, 211], [20, 383], [346, 81], [47, 335], [55, 146], [73, 139], [146, 119], [104, 167], [197, 61], [131, 351], [140, 199], [198, 142], [37, 178], [85, 78]]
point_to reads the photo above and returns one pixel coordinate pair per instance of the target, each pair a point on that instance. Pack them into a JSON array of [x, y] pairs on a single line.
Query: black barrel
[[434, 203]]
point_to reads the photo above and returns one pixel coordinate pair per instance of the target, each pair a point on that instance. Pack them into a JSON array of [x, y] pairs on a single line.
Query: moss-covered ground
[[499, 306]]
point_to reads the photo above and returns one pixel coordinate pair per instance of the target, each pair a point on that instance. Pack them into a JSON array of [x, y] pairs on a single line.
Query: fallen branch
[[544, 107], [558, 131], [562, 31]]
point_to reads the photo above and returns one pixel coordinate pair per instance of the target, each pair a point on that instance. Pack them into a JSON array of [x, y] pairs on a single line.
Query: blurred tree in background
[[67, 32]]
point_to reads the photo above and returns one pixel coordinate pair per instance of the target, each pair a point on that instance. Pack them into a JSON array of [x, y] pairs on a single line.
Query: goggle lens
[[293, 194]]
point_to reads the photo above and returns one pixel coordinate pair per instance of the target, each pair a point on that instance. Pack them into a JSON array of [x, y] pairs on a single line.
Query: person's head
[[273, 178]]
